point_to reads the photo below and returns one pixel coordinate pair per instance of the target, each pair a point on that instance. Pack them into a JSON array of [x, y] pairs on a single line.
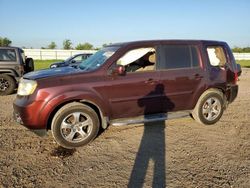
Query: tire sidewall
[[56, 126], [11, 82], [203, 100]]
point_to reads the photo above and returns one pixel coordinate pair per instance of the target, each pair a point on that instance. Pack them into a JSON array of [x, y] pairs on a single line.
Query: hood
[[51, 73]]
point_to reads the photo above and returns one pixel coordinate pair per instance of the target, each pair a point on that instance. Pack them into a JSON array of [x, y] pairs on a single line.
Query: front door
[[134, 94], [138, 91]]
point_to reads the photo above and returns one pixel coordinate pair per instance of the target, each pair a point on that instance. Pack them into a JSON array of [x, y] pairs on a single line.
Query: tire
[[75, 125], [209, 107], [7, 84]]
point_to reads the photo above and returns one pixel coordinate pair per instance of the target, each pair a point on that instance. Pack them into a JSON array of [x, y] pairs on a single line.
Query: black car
[[13, 65], [73, 60]]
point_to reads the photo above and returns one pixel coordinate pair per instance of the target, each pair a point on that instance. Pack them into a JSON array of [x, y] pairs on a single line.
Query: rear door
[[181, 73]]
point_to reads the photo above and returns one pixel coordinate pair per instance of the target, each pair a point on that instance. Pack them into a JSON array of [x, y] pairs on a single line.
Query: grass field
[[44, 64], [244, 63]]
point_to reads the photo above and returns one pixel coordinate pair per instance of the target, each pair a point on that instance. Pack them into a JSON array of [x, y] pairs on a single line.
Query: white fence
[[45, 54], [242, 56]]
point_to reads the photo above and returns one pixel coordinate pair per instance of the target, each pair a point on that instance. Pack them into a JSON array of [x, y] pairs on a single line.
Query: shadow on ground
[[62, 152], [152, 146]]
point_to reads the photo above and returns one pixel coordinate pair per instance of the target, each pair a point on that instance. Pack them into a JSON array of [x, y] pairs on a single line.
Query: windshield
[[97, 59], [68, 59]]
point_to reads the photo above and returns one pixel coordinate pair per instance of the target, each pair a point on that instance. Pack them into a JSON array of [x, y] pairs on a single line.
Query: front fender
[[58, 101]]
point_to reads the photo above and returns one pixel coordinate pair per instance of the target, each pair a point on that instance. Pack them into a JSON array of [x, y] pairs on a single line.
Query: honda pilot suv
[[128, 83]]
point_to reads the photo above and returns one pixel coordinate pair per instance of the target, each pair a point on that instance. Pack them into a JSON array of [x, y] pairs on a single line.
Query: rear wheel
[[7, 84], [75, 125], [209, 108]]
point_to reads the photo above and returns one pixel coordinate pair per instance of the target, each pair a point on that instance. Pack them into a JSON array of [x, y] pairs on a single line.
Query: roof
[[9, 47], [155, 42]]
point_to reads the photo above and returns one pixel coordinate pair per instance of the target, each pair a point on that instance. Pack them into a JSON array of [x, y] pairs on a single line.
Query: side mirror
[[29, 65], [73, 61], [118, 70]]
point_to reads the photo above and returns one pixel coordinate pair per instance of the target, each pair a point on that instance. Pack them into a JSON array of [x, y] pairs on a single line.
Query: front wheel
[[209, 108], [75, 125]]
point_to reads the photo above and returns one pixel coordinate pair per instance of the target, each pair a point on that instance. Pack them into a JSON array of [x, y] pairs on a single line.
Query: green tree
[[67, 44], [241, 50], [237, 49], [85, 46], [246, 49], [104, 45], [52, 45], [5, 41]]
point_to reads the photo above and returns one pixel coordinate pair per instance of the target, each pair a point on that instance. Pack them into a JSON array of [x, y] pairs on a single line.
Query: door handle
[[198, 76], [151, 81]]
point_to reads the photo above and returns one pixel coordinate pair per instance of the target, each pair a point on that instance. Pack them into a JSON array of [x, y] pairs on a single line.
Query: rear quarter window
[[178, 56], [216, 55], [7, 55]]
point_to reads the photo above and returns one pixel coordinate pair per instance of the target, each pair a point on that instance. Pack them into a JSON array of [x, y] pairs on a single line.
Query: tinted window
[[7, 55], [178, 56]]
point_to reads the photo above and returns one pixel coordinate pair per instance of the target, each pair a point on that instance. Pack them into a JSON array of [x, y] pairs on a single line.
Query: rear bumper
[[232, 93]]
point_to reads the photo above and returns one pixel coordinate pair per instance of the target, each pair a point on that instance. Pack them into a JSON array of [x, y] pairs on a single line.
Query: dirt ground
[[175, 153]]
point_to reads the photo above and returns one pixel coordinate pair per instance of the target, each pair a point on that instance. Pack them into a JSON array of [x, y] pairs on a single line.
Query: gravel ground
[[175, 153]]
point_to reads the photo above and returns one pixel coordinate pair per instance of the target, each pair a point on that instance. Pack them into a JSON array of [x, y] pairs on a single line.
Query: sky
[[36, 23]]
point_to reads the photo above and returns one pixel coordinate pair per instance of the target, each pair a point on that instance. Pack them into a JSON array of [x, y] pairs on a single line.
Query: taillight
[[235, 77]]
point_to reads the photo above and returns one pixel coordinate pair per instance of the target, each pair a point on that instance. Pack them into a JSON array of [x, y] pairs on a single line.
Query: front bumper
[[39, 132], [31, 113]]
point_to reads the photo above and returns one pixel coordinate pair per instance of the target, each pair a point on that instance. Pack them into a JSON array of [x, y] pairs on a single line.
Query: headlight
[[53, 66], [26, 87]]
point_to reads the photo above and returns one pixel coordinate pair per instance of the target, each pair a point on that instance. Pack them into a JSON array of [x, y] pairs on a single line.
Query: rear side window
[[216, 55], [7, 55], [178, 56]]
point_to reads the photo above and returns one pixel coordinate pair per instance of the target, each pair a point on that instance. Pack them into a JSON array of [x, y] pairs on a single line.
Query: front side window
[[216, 55], [137, 60], [178, 56], [7, 55], [77, 58], [97, 59]]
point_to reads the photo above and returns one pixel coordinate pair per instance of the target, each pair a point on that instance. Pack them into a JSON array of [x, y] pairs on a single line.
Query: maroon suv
[[128, 83]]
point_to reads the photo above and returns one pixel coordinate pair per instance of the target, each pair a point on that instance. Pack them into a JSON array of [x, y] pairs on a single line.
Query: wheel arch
[[99, 111], [9, 73], [103, 119], [218, 90]]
